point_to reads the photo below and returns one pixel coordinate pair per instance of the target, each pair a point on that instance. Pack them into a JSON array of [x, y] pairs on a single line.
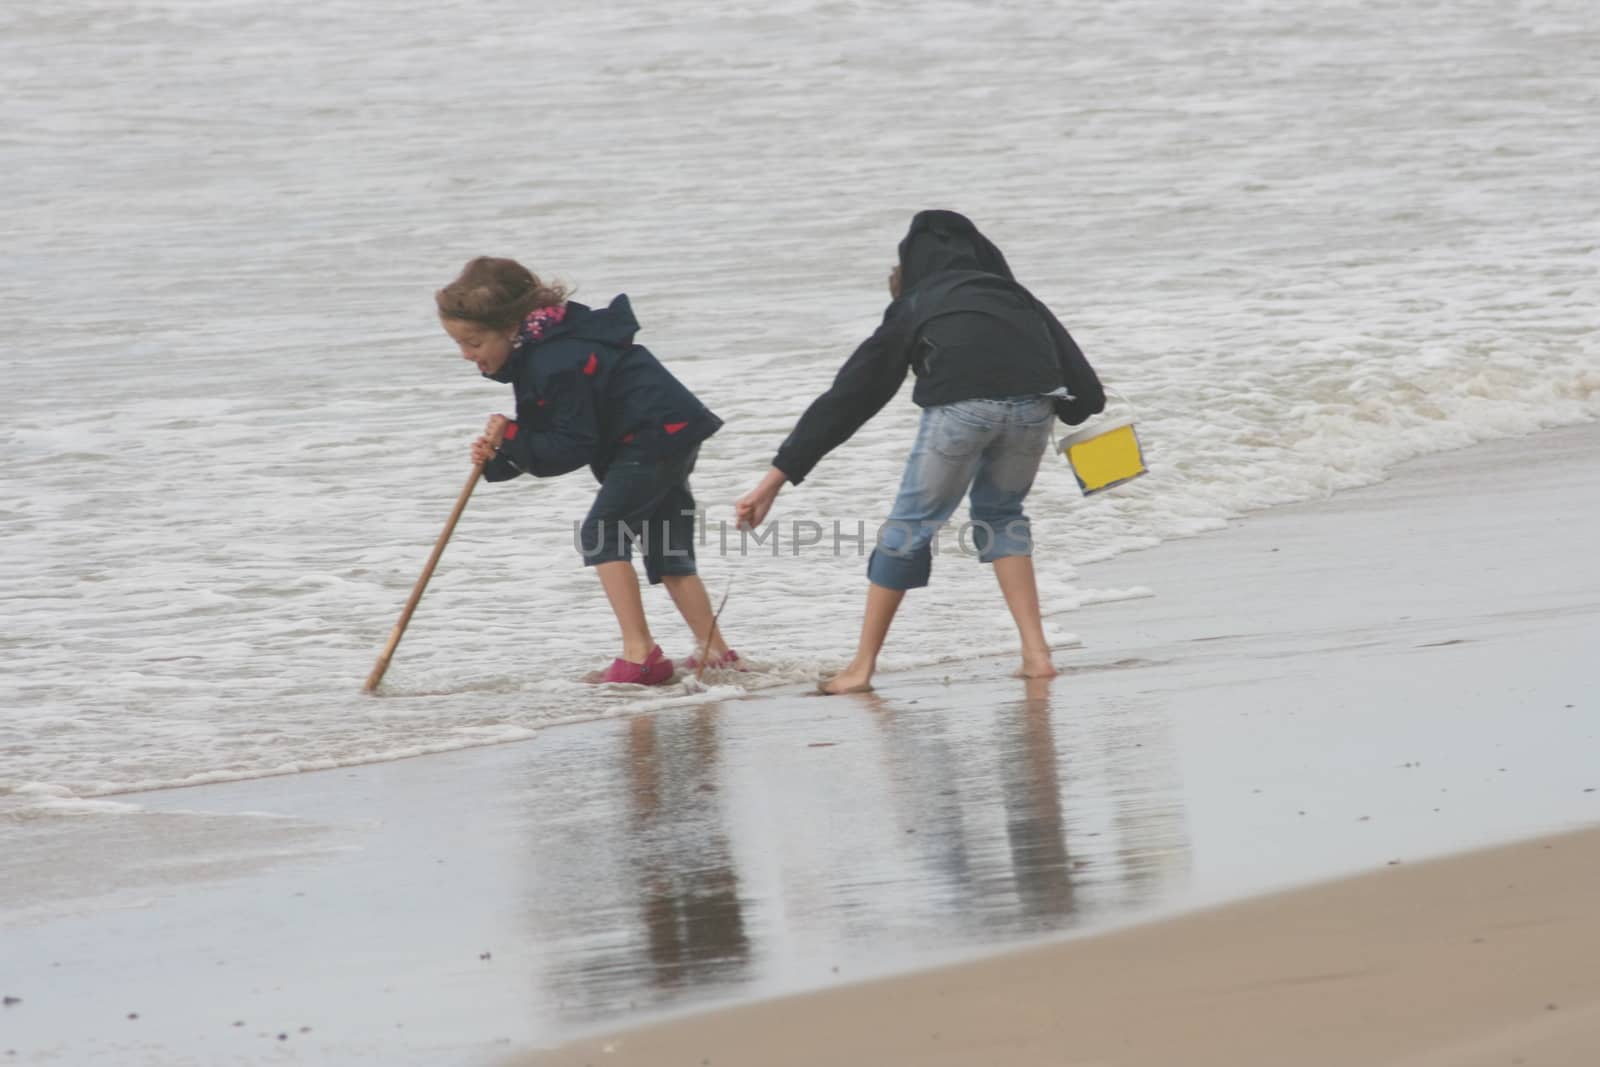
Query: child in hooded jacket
[[586, 393], [994, 369]]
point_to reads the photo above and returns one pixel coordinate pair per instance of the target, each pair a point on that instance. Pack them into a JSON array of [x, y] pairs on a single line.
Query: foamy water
[[1307, 241]]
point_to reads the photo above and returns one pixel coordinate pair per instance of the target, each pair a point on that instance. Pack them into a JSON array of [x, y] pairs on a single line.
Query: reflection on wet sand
[[1030, 779], [688, 892], [714, 860], [636, 903], [956, 776]]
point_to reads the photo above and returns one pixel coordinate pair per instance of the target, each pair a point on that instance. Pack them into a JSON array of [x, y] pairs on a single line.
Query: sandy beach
[[1471, 961], [1319, 702]]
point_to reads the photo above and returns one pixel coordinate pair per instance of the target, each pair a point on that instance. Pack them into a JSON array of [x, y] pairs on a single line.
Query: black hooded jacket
[[587, 394], [967, 330]]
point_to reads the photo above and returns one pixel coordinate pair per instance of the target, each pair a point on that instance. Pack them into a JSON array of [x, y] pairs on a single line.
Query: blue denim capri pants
[[990, 447]]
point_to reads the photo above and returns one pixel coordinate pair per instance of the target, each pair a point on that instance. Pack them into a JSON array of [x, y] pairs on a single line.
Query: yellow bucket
[[1104, 453]]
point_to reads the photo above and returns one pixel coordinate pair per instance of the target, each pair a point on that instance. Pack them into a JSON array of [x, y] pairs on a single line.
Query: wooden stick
[[427, 572], [705, 654]]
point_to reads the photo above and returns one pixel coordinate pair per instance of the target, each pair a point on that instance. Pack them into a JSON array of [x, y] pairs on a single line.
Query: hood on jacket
[[946, 240], [613, 325]]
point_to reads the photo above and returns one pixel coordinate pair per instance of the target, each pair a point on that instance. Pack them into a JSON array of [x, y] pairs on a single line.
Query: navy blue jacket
[[587, 394], [964, 326]]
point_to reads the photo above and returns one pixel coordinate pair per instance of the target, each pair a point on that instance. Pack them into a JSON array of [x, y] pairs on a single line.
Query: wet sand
[[1398, 673], [1470, 961]]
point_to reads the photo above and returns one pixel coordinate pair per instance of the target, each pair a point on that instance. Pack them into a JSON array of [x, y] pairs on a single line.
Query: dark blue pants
[[647, 503]]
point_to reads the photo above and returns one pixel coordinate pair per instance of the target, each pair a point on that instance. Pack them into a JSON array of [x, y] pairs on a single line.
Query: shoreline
[[1104, 591], [1397, 673]]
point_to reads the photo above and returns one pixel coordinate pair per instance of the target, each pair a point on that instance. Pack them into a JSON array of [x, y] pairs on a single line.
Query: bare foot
[[852, 679], [1036, 665]]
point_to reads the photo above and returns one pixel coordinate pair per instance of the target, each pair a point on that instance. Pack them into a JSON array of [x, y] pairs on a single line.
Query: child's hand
[[483, 448], [750, 510]]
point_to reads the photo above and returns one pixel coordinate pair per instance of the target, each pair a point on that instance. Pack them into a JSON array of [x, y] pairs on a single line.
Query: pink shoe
[[728, 661], [655, 670]]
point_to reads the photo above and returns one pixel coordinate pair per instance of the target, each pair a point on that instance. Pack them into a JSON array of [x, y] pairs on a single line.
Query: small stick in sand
[[705, 647]]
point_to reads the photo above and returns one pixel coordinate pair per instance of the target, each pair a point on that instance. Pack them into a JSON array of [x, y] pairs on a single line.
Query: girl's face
[[482, 345]]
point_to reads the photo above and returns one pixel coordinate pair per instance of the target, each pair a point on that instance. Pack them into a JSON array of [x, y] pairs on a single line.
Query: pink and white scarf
[[538, 321]]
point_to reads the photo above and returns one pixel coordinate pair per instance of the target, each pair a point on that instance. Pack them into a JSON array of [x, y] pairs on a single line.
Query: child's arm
[[1088, 397], [867, 381], [568, 434]]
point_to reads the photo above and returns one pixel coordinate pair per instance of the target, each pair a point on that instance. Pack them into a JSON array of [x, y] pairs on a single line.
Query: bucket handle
[[1055, 444]]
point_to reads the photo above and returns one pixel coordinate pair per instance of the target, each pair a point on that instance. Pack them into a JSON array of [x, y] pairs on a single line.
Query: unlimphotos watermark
[[895, 537]]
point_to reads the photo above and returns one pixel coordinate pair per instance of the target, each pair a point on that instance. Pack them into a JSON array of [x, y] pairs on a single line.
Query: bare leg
[[882, 603], [1015, 575], [621, 583], [688, 592]]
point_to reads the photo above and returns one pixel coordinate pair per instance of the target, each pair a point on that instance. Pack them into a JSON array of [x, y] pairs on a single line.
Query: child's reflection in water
[[688, 892]]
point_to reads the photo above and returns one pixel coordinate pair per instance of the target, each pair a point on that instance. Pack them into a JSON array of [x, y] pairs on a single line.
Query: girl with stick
[[586, 393]]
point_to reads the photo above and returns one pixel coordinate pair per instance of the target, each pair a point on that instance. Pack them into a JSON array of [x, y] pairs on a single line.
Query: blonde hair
[[497, 293]]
